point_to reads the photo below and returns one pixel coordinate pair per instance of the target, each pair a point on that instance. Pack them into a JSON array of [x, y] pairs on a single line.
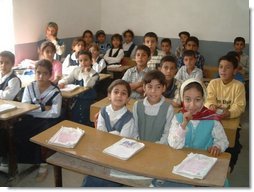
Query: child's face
[[101, 38], [141, 58], [116, 43], [183, 38], [118, 97], [48, 53], [226, 71], [79, 47], [189, 62], [191, 45], [153, 91], [193, 100], [151, 43], [5, 65], [88, 38], [42, 74], [95, 52], [128, 37], [169, 70], [165, 47], [85, 61], [239, 46], [51, 31]]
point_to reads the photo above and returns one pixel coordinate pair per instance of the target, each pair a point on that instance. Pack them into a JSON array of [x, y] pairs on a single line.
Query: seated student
[[129, 47], [238, 76], [115, 119], [153, 114], [100, 40], [195, 126], [239, 45], [88, 38], [51, 35], [71, 60], [47, 51], [184, 35], [166, 46], [99, 64], [168, 67], [189, 70], [192, 43], [47, 96], [135, 74], [227, 95], [114, 55], [84, 75], [151, 40]]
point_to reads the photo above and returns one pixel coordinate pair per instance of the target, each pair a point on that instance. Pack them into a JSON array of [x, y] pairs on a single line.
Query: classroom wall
[[216, 23]]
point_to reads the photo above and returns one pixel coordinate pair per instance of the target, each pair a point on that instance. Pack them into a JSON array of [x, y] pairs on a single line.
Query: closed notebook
[[67, 137], [6, 107], [69, 87], [124, 148]]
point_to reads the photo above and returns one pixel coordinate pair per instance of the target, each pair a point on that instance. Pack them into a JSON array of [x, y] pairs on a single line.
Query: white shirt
[[98, 67], [183, 75], [67, 68], [126, 47], [117, 59]]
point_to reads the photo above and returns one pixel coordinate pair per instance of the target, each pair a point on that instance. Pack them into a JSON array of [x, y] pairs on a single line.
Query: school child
[[168, 67], [183, 35], [84, 75], [129, 47], [47, 96], [101, 42], [71, 60], [195, 126], [153, 114], [135, 74], [238, 76], [51, 35], [47, 51], [88, 38], [151, 40], [166, 46], [189, 70], [10, 84], [115, 119], [114, 55], [192, 43], [99, 64], [239, 45], [227, 95]]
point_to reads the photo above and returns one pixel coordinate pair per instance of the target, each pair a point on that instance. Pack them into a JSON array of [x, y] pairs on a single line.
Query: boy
[[10, 84], [189, 70], [101, 42], [192, 43], [239, 45], [151, 41], [168, 67], [184, 35], [166, 46], [135, 74], [227, 95]]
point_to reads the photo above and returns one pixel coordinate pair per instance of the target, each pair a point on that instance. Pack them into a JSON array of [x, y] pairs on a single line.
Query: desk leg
[[58, 176]]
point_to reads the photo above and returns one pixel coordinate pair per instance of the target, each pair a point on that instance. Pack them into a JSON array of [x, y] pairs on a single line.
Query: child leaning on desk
[[47, 96], [115, 119], [84, 75], [195, 126], [227, 96]]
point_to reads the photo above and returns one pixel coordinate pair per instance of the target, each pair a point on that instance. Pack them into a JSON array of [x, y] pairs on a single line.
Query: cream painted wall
[[72, 17], [213, 20]]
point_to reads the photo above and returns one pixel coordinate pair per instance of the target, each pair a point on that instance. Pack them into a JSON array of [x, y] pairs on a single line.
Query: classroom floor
[[239, 178]]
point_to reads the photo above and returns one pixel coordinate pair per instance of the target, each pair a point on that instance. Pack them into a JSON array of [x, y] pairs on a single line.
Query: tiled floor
[[239, 178]]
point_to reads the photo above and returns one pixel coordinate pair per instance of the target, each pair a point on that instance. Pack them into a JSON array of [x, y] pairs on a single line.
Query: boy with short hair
[[101, 42], [166, 46], [227, 95], [189, 70], [135, 74], [184, 35], [151, 41]]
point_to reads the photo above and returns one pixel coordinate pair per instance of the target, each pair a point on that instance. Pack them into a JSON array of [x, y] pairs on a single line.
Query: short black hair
[[229, 58], [239, 39], [44, 63], [83, 52], [184, 33], [119, 82], [128, 31], [234, 54], [154, 75], [189, 53], [166, 40], [144, 48], [8, 55], [151, 34], [168, 58], [194, 39], [100, 32]]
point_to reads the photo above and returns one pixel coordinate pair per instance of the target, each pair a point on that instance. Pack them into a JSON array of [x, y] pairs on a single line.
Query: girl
[[129, 46], [115, 54], [115, 119], [83, 75], [71, 60], [88, 38], [47, 51], [99, 64], [47, 96]]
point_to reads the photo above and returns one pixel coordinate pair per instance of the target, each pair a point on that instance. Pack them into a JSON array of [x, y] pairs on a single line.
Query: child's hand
[[214, 150], [225, 114], [187, 116], [61, 85], [213, 107], [47, 108]]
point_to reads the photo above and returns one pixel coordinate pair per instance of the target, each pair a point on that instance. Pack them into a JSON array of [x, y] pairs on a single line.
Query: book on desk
[[69, 87], [6, 107]]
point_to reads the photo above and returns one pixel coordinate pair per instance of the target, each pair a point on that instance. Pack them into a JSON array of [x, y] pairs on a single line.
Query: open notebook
[[6, 107], [124, 148]]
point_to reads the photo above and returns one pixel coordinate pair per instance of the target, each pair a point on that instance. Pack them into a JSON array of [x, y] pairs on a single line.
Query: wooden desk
[[7, 119], [118, 72], [74, 93], [155, 160]]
